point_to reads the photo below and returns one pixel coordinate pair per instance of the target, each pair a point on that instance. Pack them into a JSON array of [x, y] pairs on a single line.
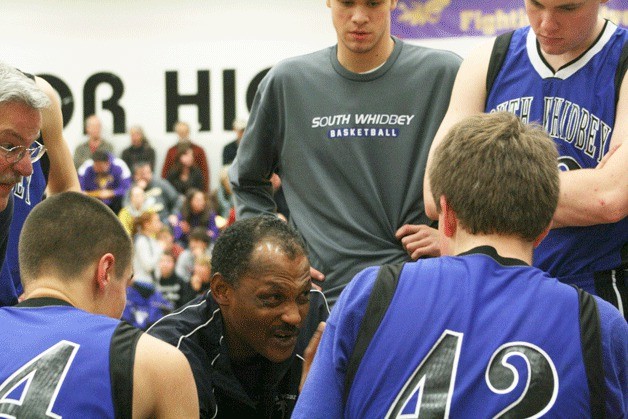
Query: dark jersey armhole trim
[[621, 71], [121, 360], [381, 296], [498, 55], [590, 337]]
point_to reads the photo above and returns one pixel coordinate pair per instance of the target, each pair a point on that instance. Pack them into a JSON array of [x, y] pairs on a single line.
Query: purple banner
[[420, 19]]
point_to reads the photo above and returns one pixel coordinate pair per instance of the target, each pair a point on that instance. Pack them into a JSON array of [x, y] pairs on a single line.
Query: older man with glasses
[[29, 110]]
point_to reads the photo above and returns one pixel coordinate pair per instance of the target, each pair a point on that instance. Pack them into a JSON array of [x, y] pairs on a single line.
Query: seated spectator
[[84, 151], [165, 237], [170, 285], [105, 177], [137, 205], [478, 332], [140, 149], [245, 337], [202, 274], [167, 199], [230, 150], [195, 212], [183, 175], [144, 305], [200, 159], [199, 245], [148, 250]]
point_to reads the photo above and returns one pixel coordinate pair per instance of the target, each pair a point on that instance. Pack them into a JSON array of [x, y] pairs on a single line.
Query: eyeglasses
[[17, 153]]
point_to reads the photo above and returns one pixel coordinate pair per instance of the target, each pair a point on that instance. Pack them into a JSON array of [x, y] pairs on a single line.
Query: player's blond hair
[[499, 175]]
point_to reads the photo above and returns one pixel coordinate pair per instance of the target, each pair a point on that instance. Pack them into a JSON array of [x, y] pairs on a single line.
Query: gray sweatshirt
[[350, 149]]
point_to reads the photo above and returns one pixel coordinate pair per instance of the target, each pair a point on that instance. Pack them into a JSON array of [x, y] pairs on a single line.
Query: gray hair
[[16, 87]]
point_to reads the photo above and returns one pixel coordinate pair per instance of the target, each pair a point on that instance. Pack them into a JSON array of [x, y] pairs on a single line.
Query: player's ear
[[221, 289], [541, 236], [449, 220], [104, 270]]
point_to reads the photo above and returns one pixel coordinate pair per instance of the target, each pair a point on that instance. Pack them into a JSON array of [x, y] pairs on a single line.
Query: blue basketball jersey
[[473, 336], [27, 193], [576, 105], [59, 361]]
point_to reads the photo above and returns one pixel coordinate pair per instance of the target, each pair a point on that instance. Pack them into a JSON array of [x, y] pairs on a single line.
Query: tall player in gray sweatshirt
[[348, 130]]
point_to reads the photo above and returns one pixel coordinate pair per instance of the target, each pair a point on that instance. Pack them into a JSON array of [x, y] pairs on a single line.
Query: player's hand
[[419, 240], [310, 351], [316, 275]]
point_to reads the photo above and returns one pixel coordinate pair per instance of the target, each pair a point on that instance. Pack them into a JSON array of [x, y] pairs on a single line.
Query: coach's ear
[[541, 236], [221, 289], [447, 218]]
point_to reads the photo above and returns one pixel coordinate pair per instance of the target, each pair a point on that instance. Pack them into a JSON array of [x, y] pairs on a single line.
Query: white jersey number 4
[[31, 391]]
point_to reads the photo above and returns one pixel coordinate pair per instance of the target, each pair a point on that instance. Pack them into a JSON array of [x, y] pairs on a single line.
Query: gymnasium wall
[[151, 62]]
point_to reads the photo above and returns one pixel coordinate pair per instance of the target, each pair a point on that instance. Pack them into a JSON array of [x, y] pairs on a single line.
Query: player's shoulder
[[354, 298], [429, 54], [186, 322], [299, 64], [611, 320]]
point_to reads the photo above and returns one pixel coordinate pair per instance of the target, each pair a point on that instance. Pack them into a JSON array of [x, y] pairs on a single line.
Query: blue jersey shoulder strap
[[122, 357], [591, 341], [381, 295], [621, 71], [498, 55]]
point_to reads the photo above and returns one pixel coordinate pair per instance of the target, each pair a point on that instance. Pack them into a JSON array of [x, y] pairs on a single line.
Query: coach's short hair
[[66, 233], [233, 251], [16, 87], [498, 174]]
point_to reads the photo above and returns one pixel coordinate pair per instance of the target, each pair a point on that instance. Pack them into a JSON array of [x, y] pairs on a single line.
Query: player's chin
[[279, 349]]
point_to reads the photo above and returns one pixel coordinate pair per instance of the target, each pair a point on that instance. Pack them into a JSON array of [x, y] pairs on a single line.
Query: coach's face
[[19, 126], [264, 311]]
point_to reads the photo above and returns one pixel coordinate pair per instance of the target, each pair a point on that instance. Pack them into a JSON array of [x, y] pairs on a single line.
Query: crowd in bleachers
[[173, 216]]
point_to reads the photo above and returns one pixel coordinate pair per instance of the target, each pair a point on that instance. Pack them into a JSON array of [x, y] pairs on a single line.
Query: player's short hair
[[233, 251], [68, 232], [499, 175], [16, 87]]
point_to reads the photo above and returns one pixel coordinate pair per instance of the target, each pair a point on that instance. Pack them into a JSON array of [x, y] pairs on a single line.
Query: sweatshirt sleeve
[[257, 156]]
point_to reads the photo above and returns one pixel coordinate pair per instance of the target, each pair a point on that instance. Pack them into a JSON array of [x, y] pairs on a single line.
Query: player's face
[[362, 26], [564, 26], [268, 306], [19, 126]]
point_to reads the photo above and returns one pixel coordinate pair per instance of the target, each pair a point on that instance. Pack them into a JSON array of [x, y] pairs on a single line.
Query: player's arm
[[62, 176], [600, 195], [256, 159], [468, 97], [163, 384], [594, 196]]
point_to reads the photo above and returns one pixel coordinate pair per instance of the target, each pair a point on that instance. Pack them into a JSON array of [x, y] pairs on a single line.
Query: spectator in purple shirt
[[105, 177]]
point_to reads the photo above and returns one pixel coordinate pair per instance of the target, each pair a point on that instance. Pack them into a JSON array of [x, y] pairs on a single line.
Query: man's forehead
[[270, 264], [8, 133]]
